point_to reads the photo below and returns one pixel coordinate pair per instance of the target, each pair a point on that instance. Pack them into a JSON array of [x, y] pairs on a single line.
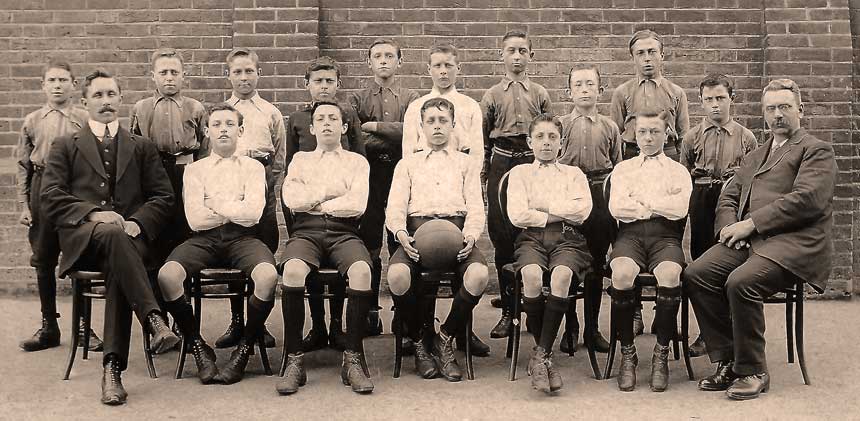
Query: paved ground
[[30, 387]]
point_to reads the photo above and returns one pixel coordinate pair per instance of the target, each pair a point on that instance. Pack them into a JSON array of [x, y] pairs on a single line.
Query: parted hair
[[439, 104], [443, 48], [783, 84], [546, 118], [243, 52], [166, 53], [644, 34], [333, 104], [57, 64], [223, 106], [322, 63], [96, 74], [717, 79], [384, 41]]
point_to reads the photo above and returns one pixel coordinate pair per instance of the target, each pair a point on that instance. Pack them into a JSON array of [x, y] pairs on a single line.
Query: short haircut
[[438, 103], [717, 79], [165, 53], [321, 63], [97, 74], [651, 113], [546, 118], [517, 33], [783, 85], [644, 34], [444, 49], [243, 52], [322, 103], [57, 64], [384, 41], [583, 66], [227, 107]]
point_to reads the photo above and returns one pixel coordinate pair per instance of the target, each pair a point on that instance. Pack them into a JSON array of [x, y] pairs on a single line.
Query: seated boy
[[326, 190], [549, 201], [224, 196], [436, 183], [650, 195]]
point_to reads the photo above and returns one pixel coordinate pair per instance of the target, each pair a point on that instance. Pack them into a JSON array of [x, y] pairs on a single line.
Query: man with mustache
[[108, 195], [773, 224]]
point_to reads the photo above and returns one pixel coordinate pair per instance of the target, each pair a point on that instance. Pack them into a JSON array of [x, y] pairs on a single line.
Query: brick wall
[[754, 40]]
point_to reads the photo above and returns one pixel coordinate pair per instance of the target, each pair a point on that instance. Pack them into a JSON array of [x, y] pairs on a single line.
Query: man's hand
[[131, 228], [639, 198], [732, 234], [370, 126], [406, 241], [106, 217], [25, 218], [463, 254]]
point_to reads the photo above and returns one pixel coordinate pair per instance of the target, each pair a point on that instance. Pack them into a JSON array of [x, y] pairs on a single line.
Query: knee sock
[[258, 312], [294, 317], [237, 305], [461, 310], [409, 311], [356, 317], [554, 312], [335, 305], [623, 304], [183, 315], [46, 280], [534, 307], [375, 280], [505, 281], [316, 303], [668, 302]]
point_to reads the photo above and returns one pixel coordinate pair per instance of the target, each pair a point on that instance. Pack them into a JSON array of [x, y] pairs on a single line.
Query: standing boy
[[263, 140], [380, 110], [508, 107], [59, 117], [592, 143], [322, 79]]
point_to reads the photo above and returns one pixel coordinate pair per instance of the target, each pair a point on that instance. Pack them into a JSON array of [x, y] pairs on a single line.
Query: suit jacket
[[76, 183], [789, 197]]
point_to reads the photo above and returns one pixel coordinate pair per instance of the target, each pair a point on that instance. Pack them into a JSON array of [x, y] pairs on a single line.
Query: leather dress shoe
[[317, 338], [336, 337], [443, 356], [627, 371], [205, 358], [353, 373], [504, 326], [112, 391], [697, 348], [749, 387], [294, 375], [638, 325], [48, 336], [95, 344], [424, 364], [599, 343], [163, 338], [374, 323], [234, 370], [555, 381], [233, 334], [537, 370], [660, 368], [568, 338], [496, 302], [408, 346], [722, 378], [268, 339], [477, 346]]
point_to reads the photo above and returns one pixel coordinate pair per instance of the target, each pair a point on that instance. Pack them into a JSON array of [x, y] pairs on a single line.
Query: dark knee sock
[[335, 305], [237, 304], [595, 294], [375, 280], [623, 304], [356, 317], [258, 312], [316, 303], [294, 318], [46, 280], [505, 282], [461, 310], [534, 309], [668, 302], [409, 311], [183, 315], [554, 312]]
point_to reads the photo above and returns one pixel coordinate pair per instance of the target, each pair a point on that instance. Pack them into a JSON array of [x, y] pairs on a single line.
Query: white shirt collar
[[99, 128]]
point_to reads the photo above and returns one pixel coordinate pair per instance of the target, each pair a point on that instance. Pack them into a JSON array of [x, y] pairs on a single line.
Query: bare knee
[[265, 277], [399, 278], [668, 274], [359, 276], [295, 273], [532, 280], [475, 279], [171, 279], [624, 272], [560, 279]]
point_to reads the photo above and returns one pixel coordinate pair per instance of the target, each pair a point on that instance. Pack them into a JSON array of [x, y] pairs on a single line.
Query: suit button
[[103, 202], [102, 184]]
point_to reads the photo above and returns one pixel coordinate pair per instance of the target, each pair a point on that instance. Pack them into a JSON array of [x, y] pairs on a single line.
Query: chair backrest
[[607, 187], [503, 204]]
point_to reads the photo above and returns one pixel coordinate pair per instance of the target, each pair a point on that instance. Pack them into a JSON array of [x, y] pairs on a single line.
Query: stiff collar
[[98, 128], [537, 165], [507, 82], [254, 100], [795, 138], [336, 152]]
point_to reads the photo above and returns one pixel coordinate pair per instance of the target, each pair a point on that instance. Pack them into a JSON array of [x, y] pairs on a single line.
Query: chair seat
[[222, 274], [85, 275]]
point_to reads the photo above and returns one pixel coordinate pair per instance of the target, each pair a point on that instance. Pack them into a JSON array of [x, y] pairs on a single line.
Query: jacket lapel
[[125, 151], [773, 160], [756, 157], [85, 141]]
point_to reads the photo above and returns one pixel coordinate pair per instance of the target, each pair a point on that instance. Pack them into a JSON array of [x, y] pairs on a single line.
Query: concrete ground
[[30, 385]]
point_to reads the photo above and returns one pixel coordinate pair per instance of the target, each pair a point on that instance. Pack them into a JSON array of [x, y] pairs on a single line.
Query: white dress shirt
[[220, 190], [468, 125], [98, 128], [537, 190], [265, 132], [315, 175], [645, 187]]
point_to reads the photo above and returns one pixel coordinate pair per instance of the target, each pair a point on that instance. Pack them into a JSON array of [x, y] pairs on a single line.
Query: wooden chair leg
[[798, 329], [514, 337], [789, 326], [150, 364], [398, 342], [470, 369], [86, 317], [284, 353], [264, 355], [76, 315], [180, 359], [685, 334], [590, 323], [613, 339], [569, 323]]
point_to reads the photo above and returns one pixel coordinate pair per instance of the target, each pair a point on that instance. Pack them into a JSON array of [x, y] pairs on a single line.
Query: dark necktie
[[106, 137]]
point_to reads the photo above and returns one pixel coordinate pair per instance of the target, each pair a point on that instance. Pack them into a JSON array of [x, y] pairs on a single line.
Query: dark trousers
[[599, 229], [46, 248], [703, 211], [121, 259], [372, 228], [176, 230], [268, 225], [727, 288]]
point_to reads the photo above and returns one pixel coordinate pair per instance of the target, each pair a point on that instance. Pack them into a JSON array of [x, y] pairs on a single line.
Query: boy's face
[[545, 141], [584, 87], [443, 69], [717, 103], [651, 135], [648, 56], [243, 75], [782, 113], [168, 75], [327, 125], [322, 85], [516, 55], [58, 85], [437, 125], [103, 100], [383, 60], [224, 131]]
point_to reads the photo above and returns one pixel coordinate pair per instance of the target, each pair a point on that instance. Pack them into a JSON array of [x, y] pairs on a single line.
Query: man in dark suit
[[773, 225], [108, 195]]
